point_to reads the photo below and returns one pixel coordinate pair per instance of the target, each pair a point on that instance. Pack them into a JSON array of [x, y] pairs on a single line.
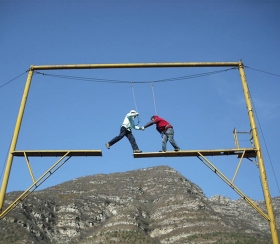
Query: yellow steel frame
[[257, 148], [235, 137], [231, 183], [201, 154], [36, 183], [45, 153], [248, 152]]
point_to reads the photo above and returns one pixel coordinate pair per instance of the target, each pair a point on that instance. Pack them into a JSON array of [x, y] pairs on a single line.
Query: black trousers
[[128, 134]]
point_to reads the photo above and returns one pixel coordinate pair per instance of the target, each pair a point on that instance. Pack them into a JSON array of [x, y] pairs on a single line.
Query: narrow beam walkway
[[57, 153], [249, 153]]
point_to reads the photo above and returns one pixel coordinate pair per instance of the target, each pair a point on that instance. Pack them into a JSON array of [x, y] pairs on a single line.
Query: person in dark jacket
[[166, 131]]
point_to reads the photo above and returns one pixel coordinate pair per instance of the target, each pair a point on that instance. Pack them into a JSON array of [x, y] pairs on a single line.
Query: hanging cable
[[265, 144], [139, 82], [152, 85], [135, 103], [4, 165], [262, 71], [163, 80], [13, 79]]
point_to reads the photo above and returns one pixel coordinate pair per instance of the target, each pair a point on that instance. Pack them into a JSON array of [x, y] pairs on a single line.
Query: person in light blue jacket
[[127, 126]]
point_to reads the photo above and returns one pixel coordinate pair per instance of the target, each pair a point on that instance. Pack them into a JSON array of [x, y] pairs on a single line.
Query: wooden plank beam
[[249, 153], [57, 153]]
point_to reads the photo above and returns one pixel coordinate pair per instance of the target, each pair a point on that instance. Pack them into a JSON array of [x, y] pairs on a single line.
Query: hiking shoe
[[137, 151], [177, 149], [162, 151], [107, 145]]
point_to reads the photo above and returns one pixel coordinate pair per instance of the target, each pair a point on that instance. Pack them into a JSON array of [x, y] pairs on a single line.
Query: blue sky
[[77, 114]]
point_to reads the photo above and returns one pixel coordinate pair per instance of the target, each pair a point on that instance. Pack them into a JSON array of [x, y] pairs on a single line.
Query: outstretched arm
[[148, 125]]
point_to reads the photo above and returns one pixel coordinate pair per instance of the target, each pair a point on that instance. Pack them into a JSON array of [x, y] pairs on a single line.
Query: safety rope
[[135, 103], [152, 85], [134, 96]]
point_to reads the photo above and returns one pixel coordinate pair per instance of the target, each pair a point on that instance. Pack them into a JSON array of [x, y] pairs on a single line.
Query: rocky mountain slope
[[152, 205]]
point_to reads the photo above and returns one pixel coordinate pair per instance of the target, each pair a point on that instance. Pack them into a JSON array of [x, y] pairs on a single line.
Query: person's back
[[160, 123], [166, 131]]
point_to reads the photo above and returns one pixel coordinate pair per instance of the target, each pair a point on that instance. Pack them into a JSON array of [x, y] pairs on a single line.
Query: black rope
[[262, 71], [5, 163], [13, 79], [265, 144], [191, 76], [81, 78], [125, 82]]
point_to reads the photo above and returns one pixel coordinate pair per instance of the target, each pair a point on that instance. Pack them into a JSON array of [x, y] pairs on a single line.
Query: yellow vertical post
[[264, 181], [14, 140]]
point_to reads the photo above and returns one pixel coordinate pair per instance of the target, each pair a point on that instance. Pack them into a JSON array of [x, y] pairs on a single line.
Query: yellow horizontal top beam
[[57, 153], [249, 153], [134, 65]]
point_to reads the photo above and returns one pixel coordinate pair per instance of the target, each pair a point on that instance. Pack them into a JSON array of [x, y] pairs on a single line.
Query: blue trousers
[[128, 134], [169, 135]]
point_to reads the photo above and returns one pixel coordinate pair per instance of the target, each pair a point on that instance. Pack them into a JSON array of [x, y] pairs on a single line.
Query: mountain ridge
[[149, 205]]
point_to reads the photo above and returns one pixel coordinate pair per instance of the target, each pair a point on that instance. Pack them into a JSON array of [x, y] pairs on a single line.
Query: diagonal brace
[[36, 184], [238, 166], [29, 167], [234, 187]]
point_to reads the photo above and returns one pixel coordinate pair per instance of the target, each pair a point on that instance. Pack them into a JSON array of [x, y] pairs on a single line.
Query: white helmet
[[133, 112]]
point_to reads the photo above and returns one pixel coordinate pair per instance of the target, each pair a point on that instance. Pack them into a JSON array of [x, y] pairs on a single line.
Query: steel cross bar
[[135, 65]]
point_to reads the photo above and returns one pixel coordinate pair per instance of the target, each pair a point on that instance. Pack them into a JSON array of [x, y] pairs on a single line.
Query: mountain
[[151, 205]]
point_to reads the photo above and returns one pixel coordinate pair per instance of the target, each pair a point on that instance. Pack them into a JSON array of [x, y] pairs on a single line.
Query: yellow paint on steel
[[14, 139], [234, 187], [235, 138], [57, 153], [238, 166], [29, 166], [135, 65], [262, 170], [35, 184], [253, 153], [248, 152]]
